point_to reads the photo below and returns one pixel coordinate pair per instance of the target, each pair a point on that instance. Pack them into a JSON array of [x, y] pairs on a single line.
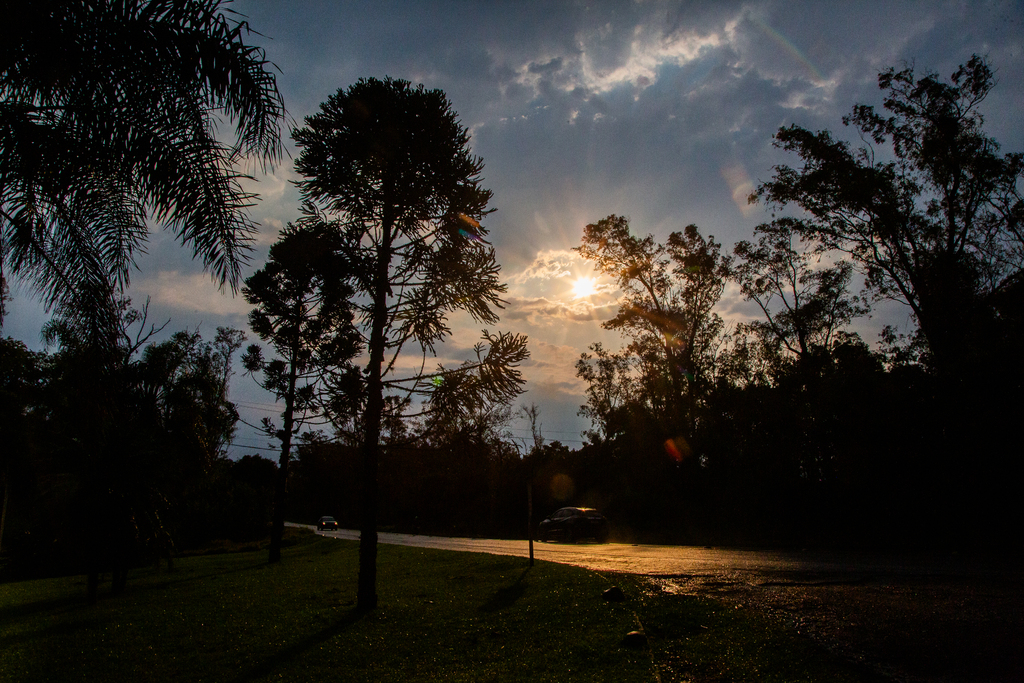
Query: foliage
[[108, 114], [610, 387], [120, 440], [933, 220], [390, 162], [187, 379], [21, 376], [233, 501], [667, 311], [805, 303], [387, 166], [301, 307], [931, 212]]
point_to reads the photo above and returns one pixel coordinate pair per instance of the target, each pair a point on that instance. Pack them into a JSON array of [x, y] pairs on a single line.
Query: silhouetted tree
[[388, 165], [187, 378], [127, 437], [301, 308], [667, 310], [610, 387], [806, 302], [107, 114], [935, 222], [21, 376]]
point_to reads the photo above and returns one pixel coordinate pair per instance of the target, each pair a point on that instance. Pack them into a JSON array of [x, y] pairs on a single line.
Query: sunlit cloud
[[740, 187], [544, 312], [559, 287], [649, 50], [554, 366], [547, 265]]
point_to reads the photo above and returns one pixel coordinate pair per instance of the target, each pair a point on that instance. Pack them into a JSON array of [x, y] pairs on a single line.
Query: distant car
[[327, 523], [574, 524]]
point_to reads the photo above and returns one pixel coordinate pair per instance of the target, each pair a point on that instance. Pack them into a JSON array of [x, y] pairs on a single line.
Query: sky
[[659, 111]]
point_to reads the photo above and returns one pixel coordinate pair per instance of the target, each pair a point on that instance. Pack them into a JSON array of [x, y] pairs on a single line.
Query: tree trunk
[[7, 494], [366, 595], [281, 486]]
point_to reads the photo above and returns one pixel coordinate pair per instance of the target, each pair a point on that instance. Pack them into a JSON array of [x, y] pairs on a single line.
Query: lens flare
[[562, 487], [678, 449], [470, 231]]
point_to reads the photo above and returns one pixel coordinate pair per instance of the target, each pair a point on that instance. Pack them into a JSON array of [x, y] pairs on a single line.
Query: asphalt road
[[910, 618], [691, 562]]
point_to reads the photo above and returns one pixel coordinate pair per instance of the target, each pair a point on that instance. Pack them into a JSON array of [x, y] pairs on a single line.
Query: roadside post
[[529, 517]]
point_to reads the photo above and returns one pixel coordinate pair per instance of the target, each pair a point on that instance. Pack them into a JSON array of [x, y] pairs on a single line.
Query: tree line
[[116, 455]]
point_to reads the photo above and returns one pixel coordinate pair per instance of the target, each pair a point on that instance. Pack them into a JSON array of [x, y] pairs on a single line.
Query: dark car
[[327, 523], [574, 524]]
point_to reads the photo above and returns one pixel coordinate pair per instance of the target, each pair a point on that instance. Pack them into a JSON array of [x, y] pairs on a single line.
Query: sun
[[583, 287]]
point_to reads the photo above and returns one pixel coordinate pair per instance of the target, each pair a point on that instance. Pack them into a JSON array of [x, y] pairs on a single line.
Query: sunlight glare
[[583, 287]]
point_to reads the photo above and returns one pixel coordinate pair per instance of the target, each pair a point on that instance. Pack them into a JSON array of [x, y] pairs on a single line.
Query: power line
[[253, 448]]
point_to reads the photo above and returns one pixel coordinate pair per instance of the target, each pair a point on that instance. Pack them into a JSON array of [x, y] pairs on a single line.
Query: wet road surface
[[912, 618]]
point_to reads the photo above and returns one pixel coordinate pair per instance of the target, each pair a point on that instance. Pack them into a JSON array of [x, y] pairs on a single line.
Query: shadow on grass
[[148, 579], [64, 630], [504, 598], [290, 654], [75, 606], [11, 614]]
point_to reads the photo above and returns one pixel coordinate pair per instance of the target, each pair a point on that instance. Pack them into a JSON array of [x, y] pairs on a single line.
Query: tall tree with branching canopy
[[804, 298], [932, 214], [109, 113], [927, 208], [301, 309], [669, 292], [388, 165]]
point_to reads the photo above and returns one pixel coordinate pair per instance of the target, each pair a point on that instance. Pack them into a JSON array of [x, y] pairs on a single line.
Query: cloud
[[190, 294], [739, 182], [550, 264], [735, 308], [544, 294], [553, 367], [543, 312], [620, 47]]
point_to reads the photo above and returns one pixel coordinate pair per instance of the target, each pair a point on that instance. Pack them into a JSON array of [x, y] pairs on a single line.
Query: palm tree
[[108, 118]]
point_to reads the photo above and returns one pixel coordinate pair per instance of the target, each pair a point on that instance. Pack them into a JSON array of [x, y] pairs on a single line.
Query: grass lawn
[[231, 617], [443, 616]]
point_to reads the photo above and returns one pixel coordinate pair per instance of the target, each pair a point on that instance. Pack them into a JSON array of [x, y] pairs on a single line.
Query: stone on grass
[[614, 594], [635, 639]]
